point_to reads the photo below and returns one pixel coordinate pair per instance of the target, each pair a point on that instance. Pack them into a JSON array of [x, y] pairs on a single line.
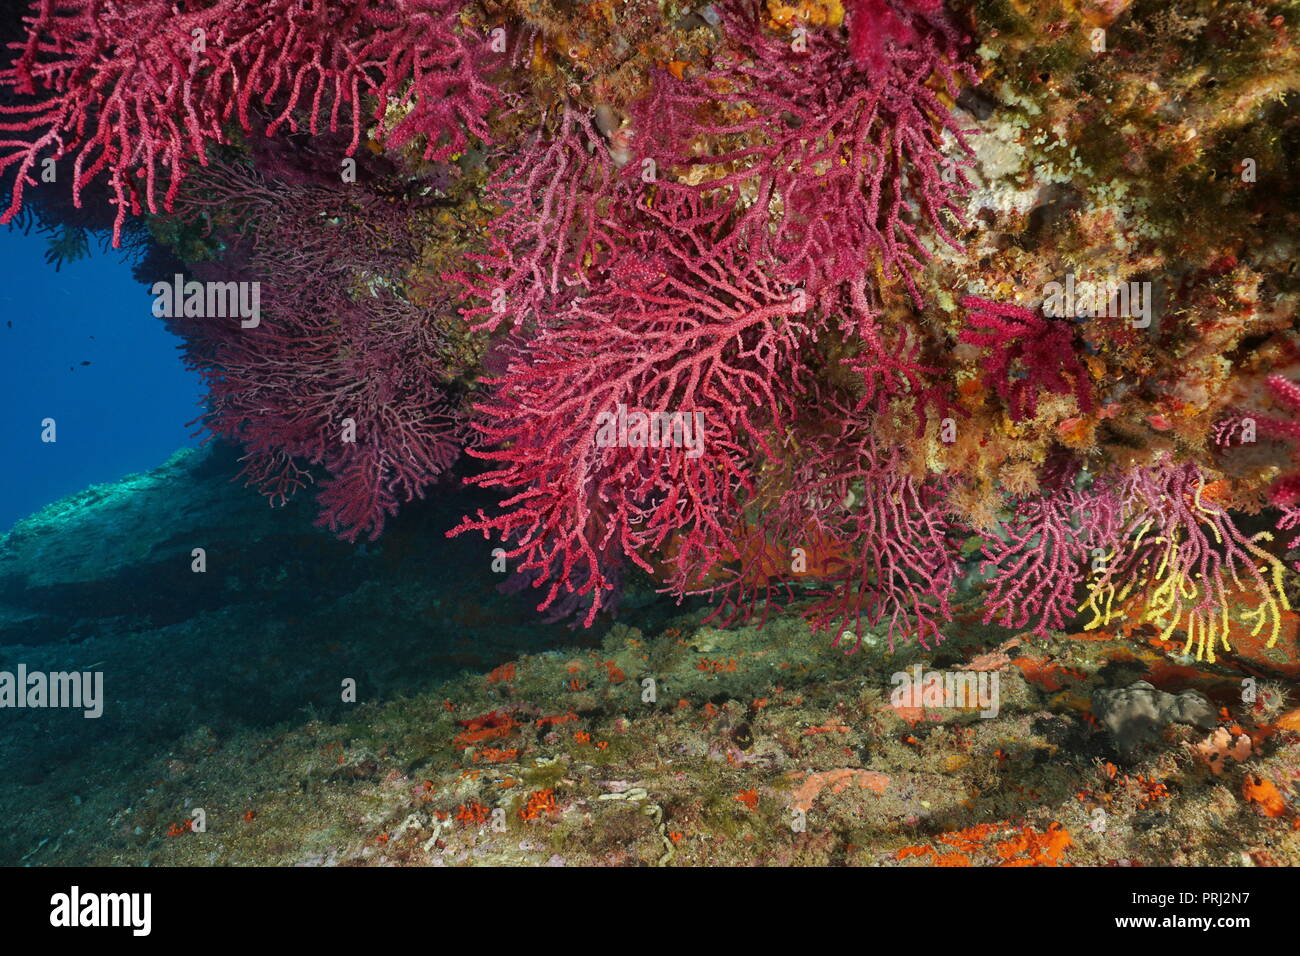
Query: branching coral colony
[[695, 286]]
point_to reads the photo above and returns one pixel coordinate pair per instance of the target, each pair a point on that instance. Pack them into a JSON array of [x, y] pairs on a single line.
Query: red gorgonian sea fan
[[1040, 556], [681, 327], [343, 371], [1025, 354], [833, 171], [1239, 427], [135, 89], [768, 200], [1286, 490], [895, 562], [878, 28], [554, 191], [1181, 551]]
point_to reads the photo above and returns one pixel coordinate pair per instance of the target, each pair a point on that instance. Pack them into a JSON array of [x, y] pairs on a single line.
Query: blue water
[[125, 411]]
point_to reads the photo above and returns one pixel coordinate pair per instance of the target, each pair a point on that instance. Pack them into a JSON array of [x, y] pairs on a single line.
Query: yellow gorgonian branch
[[1189, 561]]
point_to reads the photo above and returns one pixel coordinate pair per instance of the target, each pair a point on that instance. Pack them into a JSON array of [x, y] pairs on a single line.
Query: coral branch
[[137, 90], [1026, 354]]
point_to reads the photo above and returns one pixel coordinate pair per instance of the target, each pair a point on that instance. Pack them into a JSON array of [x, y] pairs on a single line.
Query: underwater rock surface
[[1135, 715], [103, 581], [480, 736]]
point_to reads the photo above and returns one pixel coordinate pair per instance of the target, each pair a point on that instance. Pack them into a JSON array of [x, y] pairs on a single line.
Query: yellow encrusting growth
[[817, 13]]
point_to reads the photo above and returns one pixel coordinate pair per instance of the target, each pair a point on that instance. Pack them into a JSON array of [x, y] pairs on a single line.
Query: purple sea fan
[[551, 230], [890, 360], [831, 171], [1026, 354], [899, 563], [1286, 491], [1290, 523], [878, 26], [1180, 553], [572, 607], [341, 371], [1040, 557], [138, 89], [680, 325]]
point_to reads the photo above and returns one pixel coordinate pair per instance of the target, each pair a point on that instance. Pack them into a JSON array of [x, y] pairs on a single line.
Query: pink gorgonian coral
[[1286, 490], [1239, 427], [835, 172], [1289, 522], [889, 360], [137, 90], [553, 191], [342, 371], [843, 530], [897, 563], [681, 327], [878, 28], [1038, 558], [1025, 355], [766, 201], [1181, 552]]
